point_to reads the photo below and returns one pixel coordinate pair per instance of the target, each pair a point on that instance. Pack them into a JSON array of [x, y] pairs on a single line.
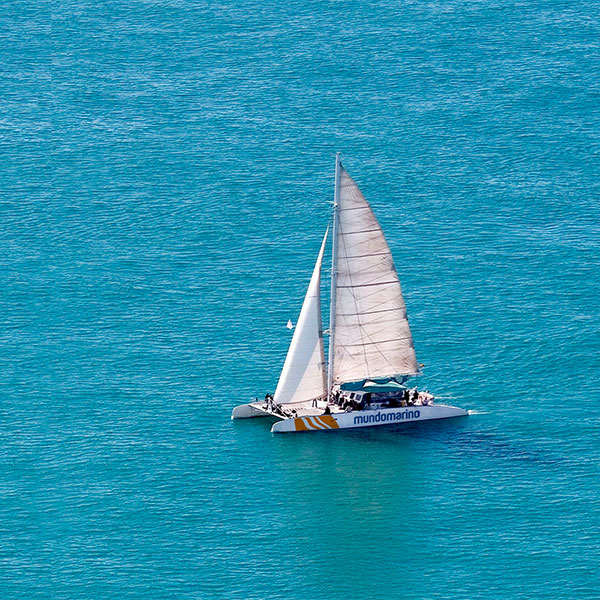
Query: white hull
[[368, 418], [312, 418], [249, 411], [260, 409]]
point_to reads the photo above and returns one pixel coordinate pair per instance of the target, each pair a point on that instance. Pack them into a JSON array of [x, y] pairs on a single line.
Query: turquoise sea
[[167, 174]]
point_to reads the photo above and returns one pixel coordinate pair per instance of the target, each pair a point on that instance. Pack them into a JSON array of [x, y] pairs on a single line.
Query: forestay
[[303, 375], [371, 337]]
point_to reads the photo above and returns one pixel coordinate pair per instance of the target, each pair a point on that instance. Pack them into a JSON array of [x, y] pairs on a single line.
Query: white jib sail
[[371, 337], [303, 375]]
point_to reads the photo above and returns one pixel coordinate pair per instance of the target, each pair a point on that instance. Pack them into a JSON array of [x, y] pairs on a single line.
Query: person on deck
[[414, 396], [269, 401]]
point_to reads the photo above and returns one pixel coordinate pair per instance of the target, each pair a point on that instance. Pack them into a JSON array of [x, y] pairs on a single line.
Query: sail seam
[[355, 208], [373, 343], [355, 232], [371, 312], [369, 255], [366, 269], [374, 293], [361, 285]]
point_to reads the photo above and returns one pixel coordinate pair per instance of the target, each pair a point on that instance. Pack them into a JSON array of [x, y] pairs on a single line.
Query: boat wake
[[478, 412]]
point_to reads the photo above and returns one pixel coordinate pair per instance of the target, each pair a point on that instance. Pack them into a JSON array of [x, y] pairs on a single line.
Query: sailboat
[[371, 356]]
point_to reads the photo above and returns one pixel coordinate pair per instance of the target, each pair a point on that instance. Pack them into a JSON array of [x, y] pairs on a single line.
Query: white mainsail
[[303, 375], [371, 337]]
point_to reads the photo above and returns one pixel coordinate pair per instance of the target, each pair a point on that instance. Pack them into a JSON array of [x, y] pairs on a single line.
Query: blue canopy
[[385, 384]]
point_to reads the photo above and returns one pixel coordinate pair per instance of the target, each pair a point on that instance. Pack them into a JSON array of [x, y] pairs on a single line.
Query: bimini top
[[385, 384]]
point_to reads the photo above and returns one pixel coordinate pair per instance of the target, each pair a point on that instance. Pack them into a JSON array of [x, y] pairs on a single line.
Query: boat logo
[[382, 417]]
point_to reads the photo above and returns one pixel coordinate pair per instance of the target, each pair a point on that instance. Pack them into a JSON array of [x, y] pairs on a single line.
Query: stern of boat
[[249, 411]]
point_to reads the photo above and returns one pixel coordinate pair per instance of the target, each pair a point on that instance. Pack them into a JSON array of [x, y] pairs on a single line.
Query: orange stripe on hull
[[314, 422], [301, 425], [328, 421]]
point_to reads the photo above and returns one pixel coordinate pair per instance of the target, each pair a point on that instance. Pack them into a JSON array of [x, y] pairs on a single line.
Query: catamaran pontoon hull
[[349, 420], [368, 418]]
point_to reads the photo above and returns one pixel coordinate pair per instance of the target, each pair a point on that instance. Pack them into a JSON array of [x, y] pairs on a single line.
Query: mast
[[336, 195]]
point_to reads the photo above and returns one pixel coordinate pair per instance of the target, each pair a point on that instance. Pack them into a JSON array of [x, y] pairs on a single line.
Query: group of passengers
[[271, 406], [415, 398], [409, 397], [349, 404]]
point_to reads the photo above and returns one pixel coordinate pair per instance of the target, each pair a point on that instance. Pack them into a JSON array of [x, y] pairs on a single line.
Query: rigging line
[[382, 322], [372, 273], [400, 335], [373, 293], [367, 233], [378, 266], [402, 332], [379, 351], [349, 291], [366, 240]]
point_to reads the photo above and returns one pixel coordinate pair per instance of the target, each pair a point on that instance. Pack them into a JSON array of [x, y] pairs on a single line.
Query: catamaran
[[371, 355]]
